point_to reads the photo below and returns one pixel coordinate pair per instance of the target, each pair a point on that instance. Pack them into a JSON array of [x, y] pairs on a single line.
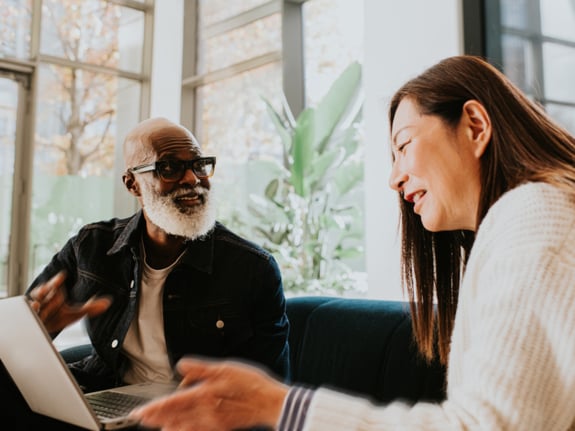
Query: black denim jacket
[[220, 278]]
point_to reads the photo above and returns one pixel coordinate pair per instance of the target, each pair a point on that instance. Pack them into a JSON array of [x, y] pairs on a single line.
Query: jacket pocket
[[216, 329]]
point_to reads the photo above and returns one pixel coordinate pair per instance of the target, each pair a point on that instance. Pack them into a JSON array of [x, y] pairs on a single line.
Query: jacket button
[[220, 324], [114, 344], [132, 284]]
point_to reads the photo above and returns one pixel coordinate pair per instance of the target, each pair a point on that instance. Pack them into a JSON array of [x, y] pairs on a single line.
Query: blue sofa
[[360, 346]]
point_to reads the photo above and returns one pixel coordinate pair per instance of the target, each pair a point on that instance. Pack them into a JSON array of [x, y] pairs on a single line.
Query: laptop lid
[[42, 376], [36, 367]]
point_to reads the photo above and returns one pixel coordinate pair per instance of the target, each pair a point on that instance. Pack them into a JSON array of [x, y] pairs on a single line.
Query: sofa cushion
[[361, 346]]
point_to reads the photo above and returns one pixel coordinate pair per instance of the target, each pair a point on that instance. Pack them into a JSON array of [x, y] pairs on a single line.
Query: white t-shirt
[[145, 344]]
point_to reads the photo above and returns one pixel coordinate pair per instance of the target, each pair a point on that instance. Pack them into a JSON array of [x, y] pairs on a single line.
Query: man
[[167, 281]]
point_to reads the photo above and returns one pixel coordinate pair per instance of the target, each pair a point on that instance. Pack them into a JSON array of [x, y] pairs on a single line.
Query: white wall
[[402, 38]]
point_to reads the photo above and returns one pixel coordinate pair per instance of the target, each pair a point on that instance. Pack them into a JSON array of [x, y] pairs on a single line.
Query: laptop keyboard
[[111, 404]]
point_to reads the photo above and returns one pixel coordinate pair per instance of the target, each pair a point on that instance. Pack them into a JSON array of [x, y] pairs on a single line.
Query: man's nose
[[189, 177]]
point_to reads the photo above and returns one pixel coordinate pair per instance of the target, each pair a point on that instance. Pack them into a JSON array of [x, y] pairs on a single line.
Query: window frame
[[291, 55], [28, 69], [483, 33]]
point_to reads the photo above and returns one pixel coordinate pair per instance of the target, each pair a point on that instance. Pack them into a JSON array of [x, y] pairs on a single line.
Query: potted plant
[[308, 214]]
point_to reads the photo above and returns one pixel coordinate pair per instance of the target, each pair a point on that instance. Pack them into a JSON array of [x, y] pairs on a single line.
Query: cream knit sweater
[[512, 361]]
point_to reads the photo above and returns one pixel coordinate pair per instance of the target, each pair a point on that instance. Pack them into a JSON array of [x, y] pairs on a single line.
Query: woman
[[487, 187]]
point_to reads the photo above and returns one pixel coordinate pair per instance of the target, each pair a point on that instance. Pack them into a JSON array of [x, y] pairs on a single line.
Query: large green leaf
[[267, 209], [302, 150], [272, 189], [335, 103], [324, 165], [348, 139], [261, 171], [348, 177], [348, 252]]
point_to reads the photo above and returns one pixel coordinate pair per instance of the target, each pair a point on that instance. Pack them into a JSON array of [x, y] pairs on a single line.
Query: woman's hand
[[216, 396], [49, 301]]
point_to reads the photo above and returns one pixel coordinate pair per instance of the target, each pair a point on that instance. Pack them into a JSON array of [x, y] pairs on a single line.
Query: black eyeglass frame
[[187, 164]]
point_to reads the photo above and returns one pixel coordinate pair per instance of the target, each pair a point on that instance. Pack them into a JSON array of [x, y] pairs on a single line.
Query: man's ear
[[131, 183], [478, 124]]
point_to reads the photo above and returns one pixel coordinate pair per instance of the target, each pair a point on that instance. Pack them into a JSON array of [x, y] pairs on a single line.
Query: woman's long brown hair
[[526, 145]]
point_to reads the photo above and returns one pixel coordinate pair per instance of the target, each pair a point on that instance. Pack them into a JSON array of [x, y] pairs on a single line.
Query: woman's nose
[[397, 178]]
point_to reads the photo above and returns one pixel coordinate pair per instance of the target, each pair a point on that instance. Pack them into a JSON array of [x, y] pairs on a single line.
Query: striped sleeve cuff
[[295, 409]]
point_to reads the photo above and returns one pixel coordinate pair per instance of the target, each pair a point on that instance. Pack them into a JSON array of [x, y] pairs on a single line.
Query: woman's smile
[[418, 199]]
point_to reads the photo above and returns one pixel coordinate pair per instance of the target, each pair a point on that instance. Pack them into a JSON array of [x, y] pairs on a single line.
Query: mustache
[[188, 190]]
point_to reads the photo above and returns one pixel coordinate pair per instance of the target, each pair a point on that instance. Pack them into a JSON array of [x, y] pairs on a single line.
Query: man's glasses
[[174, 170]]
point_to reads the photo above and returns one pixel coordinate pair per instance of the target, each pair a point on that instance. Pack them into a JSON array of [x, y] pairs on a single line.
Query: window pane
[[15, 19], [565, 115], [239, 128], [559, 71], [212, 11], [81, 119], [257, 38], [558, 19], [333, 31], [93, 31], [8, 113], [518, 62], [516, 13]]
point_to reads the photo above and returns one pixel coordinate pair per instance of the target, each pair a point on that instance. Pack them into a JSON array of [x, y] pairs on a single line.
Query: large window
[[9, 106], [248, 58], [238, 67], [533, 41], [333, 38], [87, 63]]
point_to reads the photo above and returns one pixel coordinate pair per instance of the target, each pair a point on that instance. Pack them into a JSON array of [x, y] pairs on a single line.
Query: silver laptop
[[46, 383]]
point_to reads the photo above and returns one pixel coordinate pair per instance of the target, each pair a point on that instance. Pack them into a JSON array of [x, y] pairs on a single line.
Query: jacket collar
[[130, 234], [199, 252]]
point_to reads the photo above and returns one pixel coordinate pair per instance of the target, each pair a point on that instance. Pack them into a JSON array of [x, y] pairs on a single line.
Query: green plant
[[308, 215]]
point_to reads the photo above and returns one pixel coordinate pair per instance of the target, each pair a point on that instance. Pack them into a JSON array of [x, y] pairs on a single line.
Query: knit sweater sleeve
[[513, 344]]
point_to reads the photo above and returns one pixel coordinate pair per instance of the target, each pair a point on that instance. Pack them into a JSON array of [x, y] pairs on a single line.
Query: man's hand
[[216, 396], [49, 301]]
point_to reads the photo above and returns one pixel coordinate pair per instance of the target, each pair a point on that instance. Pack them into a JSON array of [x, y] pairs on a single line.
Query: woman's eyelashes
[[401, 147]]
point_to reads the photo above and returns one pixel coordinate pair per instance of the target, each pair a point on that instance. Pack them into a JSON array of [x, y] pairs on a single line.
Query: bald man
[[169, 280]]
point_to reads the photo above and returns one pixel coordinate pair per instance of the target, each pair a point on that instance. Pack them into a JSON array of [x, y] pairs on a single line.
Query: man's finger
[[96, 305], [45, 291]]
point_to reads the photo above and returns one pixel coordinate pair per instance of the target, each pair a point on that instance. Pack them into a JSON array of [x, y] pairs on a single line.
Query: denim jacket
[[222, 278]]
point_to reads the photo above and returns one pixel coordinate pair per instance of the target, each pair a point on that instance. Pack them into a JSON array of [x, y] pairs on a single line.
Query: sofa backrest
[[360, 346]]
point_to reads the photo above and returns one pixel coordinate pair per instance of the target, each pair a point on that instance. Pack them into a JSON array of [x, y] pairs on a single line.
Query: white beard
[[188, 222]]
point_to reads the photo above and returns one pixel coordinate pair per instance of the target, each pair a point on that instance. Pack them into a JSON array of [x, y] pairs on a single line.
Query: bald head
[[154, 137]]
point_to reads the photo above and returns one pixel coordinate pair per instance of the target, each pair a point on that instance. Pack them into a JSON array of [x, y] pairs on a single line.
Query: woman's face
[[436, 167]]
